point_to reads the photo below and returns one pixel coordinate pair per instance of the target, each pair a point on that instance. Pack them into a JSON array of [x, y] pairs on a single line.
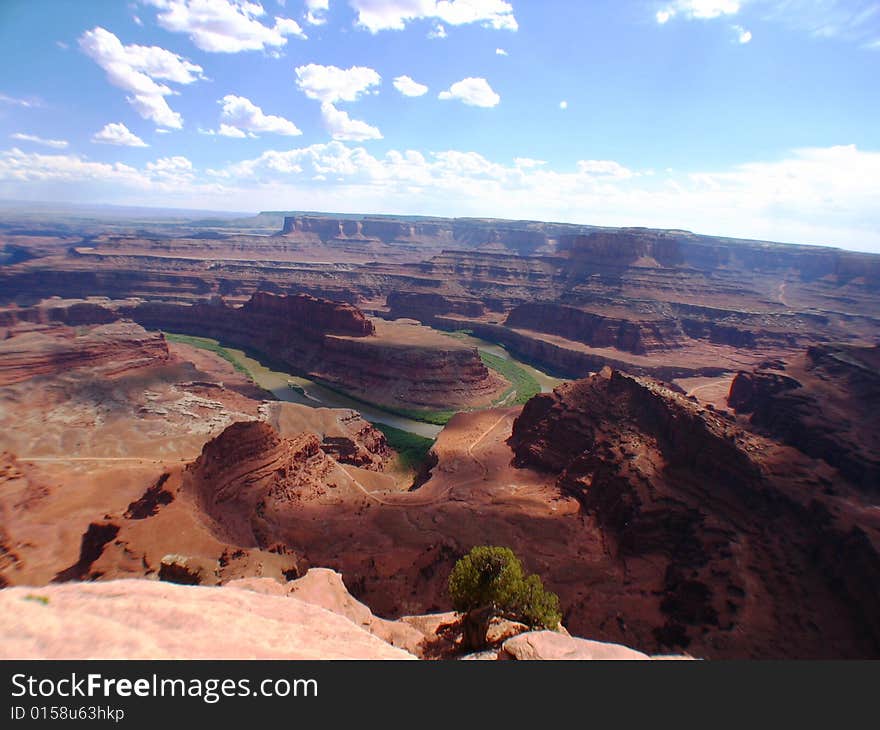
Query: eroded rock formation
[[825, 403], [736, 532]]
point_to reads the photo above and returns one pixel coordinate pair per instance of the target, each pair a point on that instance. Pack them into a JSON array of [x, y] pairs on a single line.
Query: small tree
[[489, 582]]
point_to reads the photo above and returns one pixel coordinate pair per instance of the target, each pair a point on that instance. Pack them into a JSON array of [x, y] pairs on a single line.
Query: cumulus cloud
[[697, 9], [243, 115], [377, 15], [165, 174], [406, 86], [473, 92], [332, 84], [225, 26], [58, 144], [176, 170], [118, 134], [227, 130], [500, 52], [342, 127], [316, 11], [438, 32], [742, 35], [139, 70]]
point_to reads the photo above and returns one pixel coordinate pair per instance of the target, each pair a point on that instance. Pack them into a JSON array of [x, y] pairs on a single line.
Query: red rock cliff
[[733, 536]]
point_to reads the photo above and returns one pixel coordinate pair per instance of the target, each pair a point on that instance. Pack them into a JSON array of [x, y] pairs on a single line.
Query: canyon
[[704, 483]]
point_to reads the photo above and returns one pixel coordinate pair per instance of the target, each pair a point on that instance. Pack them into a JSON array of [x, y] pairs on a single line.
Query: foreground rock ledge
[[139, 619]]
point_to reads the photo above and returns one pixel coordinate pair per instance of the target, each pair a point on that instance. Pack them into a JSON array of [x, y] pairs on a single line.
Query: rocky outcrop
[[248, 468], [306, 313], [111, 350], [737, 531], [424, 306], [553, 646], [345, 434], [637, 337], [796, 403], [93, 621]]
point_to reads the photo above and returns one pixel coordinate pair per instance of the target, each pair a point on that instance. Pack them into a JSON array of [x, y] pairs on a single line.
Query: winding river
[[310, 393]]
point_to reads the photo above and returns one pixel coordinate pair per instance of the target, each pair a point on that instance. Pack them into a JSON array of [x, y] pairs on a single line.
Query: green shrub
[[489, 582]]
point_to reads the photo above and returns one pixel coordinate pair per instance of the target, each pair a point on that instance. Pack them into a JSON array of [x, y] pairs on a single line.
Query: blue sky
[[751, 118]]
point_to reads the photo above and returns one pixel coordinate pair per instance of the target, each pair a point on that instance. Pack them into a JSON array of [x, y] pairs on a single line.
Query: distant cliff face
[[448, 233], [637, 337], [737, 534], [798, 403], [670, 249], [310, 313]]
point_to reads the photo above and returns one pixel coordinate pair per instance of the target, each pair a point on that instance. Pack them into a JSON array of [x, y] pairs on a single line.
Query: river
[[310, 393]]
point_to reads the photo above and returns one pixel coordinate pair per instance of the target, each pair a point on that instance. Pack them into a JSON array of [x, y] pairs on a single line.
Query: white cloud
[[15, 101], [227, 130], [528, 162], [563, 105], [376, 15], [406, 86], [856, 21], [139, 71], [177, 170], [225, 26], [117, 133], [500, 52], [242, 114], [698, 9], [58, 144], [473, 92], [824, 195], [742, 35], [316, 11], [160, 130], [438, 32], [850, 20], [137, 20], [332, 84], [19, 166], [343, 127], [604, 168]]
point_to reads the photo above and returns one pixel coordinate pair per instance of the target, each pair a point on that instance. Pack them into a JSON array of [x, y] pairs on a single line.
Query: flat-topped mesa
[[304, 311], [434, 234], [626, 247]]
